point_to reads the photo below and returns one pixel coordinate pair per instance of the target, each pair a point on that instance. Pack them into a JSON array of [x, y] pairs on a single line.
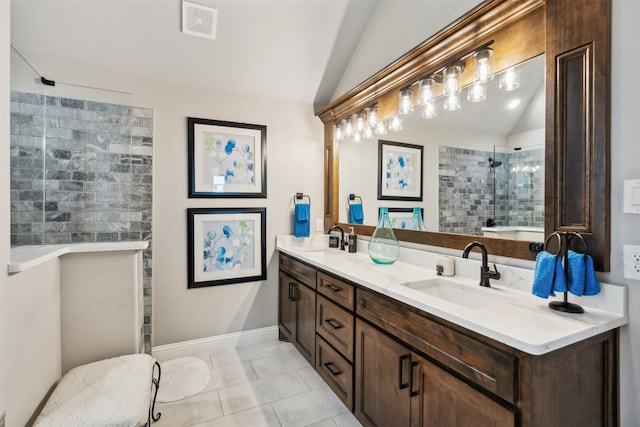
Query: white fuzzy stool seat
[[115, 392]]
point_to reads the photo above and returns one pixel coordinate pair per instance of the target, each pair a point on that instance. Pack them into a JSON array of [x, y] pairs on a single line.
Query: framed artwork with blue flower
[[226, 159], [225, 246], [400, 171]]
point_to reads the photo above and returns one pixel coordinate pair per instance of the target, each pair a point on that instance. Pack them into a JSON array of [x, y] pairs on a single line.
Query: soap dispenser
[[353, 242]]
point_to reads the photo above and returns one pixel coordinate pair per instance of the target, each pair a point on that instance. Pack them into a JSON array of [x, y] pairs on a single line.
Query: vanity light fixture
[[429, 110], [357, 137], [360, 122], [452, 102], [348, 127], [427, 90], [451, 78], [477, 92], [372, 116], [339, 133], [395, 123], [483, 65], [381, 128], [406, 101], [509, 80], [368, 133]]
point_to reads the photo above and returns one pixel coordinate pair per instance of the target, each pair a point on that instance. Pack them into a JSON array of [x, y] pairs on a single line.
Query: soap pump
[[353, 241]]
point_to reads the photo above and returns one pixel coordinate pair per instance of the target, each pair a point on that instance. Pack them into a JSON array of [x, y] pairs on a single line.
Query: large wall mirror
[[492, 170]]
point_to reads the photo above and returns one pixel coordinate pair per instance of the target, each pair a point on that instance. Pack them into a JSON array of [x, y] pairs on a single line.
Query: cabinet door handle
[[401, 360], [411, 366], [332, 368], [333, 324], [292, 297], [333, 288]]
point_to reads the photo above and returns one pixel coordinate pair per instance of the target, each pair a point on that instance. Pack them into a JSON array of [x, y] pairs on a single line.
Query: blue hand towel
[[581, 274], [356, 216], [548, 276], [301, 220]]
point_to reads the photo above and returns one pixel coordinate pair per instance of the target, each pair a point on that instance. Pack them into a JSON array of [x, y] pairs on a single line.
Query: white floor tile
[[308, 408], [259, 392], [311, 378], [183, 413], [245, 353], [230, 375], [262, 416], [279, 363], [347, 420]]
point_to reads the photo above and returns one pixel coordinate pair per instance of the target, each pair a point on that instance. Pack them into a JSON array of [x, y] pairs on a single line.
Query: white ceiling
[[291, 49]]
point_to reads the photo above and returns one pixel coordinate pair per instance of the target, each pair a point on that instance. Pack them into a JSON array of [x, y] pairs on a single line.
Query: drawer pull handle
[[411, 366], [333, 324], [333, 288], [332, 368], [292, 297], [401, 360]]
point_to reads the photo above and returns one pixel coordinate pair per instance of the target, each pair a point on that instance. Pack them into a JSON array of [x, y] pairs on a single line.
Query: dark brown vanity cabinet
[[297, 305]]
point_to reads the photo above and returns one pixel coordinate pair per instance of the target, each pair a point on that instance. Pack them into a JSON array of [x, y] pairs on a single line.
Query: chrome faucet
[[485, 272], [343, 243]]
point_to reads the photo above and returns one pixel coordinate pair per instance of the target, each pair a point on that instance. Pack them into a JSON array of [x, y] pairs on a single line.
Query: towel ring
[[352, 198], [584, 243], [546, 243], [299, 197]]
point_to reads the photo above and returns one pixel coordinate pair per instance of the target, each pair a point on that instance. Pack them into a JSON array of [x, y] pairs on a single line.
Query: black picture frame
[[226, 246], [226, 159], [400, 171]]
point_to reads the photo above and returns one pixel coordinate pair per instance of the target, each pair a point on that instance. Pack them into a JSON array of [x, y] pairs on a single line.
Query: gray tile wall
[[81, 171], [470, 192]]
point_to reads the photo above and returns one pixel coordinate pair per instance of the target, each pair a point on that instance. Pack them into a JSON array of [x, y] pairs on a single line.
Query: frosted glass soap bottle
[[383, 246]]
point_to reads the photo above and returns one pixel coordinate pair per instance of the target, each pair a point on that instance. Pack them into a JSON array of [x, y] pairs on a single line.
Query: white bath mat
[[181, 378]]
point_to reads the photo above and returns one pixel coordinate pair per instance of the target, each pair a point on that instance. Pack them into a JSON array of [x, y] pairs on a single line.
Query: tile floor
[[259, 385]]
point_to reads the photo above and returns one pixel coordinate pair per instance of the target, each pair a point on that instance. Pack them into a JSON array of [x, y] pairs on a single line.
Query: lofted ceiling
[[290, 49]]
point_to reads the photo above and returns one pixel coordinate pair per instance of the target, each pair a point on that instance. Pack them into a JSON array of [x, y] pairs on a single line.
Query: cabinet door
[[442, 400], [382, 379], [286, 306], [305, 336]]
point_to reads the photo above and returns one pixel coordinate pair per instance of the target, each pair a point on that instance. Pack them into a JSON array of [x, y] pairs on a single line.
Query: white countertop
[[525, 322], [26, 257]]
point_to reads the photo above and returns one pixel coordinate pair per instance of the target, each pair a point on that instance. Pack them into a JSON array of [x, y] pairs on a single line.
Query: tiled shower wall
[[471, 192], [89, 181]]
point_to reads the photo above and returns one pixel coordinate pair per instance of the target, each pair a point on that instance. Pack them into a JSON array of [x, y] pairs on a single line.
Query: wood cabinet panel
[[286, 307], [335, 325], [336, 371], [488, 367], [305, 338], [382, 379], [443, 400], [336, 290], [300, 271]]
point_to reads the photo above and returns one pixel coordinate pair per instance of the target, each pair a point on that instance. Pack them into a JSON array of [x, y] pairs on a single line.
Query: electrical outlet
[[631, 261], [319, 225]]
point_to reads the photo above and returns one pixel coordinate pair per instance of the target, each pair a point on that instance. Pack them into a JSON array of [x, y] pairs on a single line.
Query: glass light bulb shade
[[368, 133], [483, 65], [450, 80], [427, 91], [348, 127], [381, 128], [429, 110], [509, 80], [360, 122], [406, 101], [357, 137], [395, 123], [372, 116], [339, 133], [452, 103], [477, 92]]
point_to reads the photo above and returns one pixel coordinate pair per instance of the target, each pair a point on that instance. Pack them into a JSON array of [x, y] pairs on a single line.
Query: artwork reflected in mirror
[[483, 164]]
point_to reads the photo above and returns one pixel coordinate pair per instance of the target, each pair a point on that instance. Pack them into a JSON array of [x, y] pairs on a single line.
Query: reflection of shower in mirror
[[494, 163]]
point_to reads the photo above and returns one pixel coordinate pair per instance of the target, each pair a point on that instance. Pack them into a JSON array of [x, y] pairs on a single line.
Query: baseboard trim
[[218, 342]]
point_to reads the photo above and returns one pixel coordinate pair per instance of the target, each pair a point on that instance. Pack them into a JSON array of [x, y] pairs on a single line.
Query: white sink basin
[[472, 297]]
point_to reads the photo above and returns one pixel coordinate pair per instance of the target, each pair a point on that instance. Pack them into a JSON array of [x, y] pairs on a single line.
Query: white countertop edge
[[474, 321], [25, 257]]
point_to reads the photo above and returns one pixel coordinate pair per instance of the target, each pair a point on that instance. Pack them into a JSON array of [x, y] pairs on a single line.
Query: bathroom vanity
[[401, 346]]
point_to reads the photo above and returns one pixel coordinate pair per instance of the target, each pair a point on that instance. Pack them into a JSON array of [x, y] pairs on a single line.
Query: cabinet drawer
[[336, 290], [487, 366], [336, 371], [335, 324], [301, 272]]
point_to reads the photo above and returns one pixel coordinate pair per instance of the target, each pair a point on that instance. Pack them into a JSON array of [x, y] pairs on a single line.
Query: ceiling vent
[[198, 20]]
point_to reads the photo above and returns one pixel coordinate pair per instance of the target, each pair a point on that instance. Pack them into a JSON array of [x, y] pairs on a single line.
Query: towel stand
[[564, 244]]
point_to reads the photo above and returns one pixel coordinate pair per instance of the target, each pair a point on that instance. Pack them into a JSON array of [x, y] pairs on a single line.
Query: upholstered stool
[[115, 392]]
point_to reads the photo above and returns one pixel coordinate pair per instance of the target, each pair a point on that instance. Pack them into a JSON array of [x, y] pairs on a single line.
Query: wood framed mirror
[[575, 39]]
